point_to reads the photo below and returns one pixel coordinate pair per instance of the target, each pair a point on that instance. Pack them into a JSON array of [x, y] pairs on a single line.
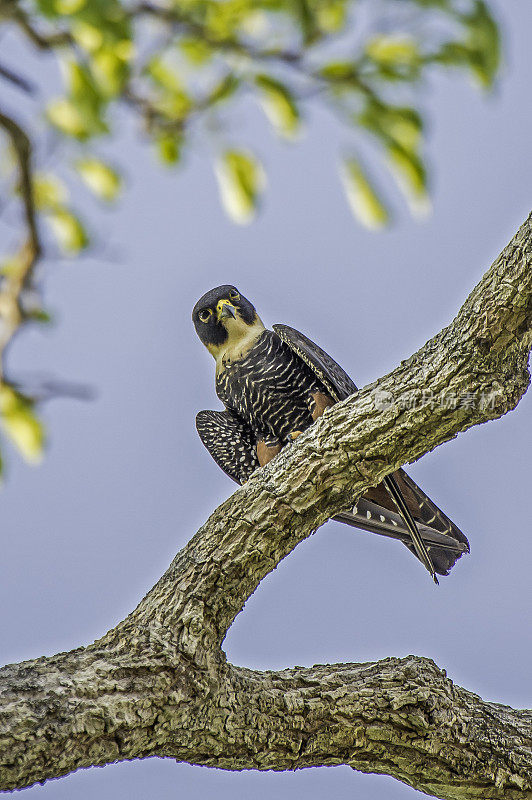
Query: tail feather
[[444, 548]]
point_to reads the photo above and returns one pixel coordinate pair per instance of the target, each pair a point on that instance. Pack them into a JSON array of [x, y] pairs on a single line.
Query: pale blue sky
[[126, 481]]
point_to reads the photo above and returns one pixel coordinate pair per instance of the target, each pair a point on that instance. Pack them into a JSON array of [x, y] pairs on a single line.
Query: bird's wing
[[397, 492], [334, 378], [230, 442]]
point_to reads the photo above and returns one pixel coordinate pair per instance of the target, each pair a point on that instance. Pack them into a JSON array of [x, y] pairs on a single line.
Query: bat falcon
[[274, 384]]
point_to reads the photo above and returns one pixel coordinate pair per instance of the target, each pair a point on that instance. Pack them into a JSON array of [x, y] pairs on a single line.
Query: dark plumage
[[274, 384]]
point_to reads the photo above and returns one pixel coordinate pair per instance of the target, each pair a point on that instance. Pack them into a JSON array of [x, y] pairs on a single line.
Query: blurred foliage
[[20, 424], [183, 68]]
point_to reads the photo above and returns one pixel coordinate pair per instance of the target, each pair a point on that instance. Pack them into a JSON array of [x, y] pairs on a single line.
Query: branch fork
[[159, 683]]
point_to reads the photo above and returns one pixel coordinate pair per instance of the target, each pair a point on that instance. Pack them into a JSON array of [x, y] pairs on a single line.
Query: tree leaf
[[101, 179], [67, 117], [240, 180], [169, 148], [81, 114], [365, 202], [339, 71], [411, 176], [68, 230], [161, 73], [224, 89], [195, 51], [49, 192], [20, 424], [279, 105], [332, 15], [484, 42], [402, 124], [393, 50]]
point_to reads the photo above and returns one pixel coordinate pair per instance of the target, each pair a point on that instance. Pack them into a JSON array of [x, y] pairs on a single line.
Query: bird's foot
[[294, 434]]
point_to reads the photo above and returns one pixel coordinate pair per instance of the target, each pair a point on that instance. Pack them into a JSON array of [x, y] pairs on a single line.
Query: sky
[[126, 482]]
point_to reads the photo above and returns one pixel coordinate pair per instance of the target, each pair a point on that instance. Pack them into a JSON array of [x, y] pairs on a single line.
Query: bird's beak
[[226, 309]]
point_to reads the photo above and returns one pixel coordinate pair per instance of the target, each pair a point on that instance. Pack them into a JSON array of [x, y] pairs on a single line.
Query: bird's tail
[[443, 540]]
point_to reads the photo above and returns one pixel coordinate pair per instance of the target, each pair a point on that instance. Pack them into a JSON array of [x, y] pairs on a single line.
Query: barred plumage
[[270, 389], [274, 384]]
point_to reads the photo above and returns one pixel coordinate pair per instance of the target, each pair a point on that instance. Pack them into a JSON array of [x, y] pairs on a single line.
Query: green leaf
[[304, 13], [195, 51], [411, 176], [110, 70], [279, 105], [101, 179], [40, 315], [240, 180], [48, 192], [20, 424], [224, 89], [332, 15], [484, 42], [393, 50], [159, 72], [480, 51], [169, 148], [83, 88], [67, 118], [69, 6], [365, 202], [401, 124], [68, 230], [81, 114], [89, 36], [339, 71]]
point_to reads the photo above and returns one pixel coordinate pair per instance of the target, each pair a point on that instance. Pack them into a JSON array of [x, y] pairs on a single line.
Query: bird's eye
[[233, 295], [205, 315]]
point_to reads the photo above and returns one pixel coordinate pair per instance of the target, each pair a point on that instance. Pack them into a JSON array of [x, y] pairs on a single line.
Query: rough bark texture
[[159, 684]]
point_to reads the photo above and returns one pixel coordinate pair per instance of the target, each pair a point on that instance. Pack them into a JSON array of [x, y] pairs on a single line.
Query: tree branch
[[18, 278], [158, 683], [17, 80]]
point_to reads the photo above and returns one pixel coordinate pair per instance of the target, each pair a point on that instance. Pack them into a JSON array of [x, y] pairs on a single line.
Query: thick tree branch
[[158, 683]]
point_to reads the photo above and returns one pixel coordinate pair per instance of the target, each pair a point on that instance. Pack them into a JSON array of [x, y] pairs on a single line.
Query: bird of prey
[[274, 385]]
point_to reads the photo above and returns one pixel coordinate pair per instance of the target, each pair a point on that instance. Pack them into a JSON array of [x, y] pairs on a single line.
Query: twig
[[16, 281], [17, 80]]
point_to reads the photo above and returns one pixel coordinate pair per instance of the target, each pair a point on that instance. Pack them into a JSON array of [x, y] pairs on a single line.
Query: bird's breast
[[269, 388]]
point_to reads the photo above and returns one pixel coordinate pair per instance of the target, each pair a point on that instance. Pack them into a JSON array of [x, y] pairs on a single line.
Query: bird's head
[[226, 322]]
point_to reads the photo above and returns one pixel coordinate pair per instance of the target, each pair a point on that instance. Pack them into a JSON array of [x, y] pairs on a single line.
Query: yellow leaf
[[169, 148], [68, 231], [48, 191], [65, 116], [89, 36], [240, 180], [279, 106], [392, 49], [363, 199], [101, 179], [20, 424], [410, 174], [69, 6]]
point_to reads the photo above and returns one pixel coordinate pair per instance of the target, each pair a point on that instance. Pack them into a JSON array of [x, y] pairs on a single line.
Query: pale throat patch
[[240, 338]]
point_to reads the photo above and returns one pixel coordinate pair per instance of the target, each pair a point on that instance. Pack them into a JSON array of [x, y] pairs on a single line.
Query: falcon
[[274, 385]]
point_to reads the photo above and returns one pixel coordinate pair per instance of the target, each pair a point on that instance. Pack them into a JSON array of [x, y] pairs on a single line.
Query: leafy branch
[[181, 69]]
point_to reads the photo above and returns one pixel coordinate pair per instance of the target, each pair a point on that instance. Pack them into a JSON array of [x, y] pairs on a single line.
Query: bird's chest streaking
[[270, 388]]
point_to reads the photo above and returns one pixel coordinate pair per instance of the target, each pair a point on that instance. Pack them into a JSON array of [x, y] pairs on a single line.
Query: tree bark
[[158, 683]]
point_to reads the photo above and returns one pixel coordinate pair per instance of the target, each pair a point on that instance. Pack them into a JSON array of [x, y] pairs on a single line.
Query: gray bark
[[159, 683]]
